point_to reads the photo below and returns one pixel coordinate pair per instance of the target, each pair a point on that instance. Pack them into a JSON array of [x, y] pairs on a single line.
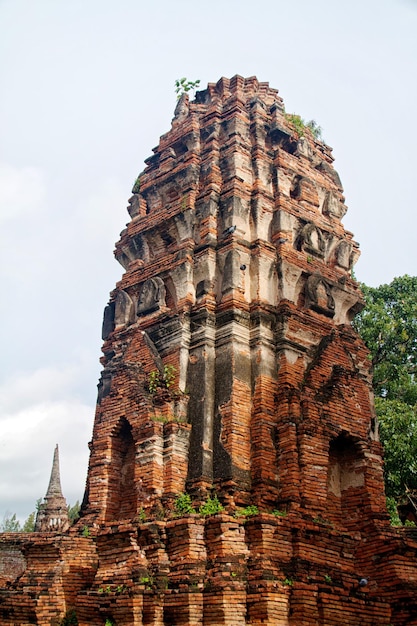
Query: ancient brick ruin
[[230, 369], [52, 514]]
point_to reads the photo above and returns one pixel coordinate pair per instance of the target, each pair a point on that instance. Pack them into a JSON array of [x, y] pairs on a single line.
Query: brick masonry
[[229, 366]]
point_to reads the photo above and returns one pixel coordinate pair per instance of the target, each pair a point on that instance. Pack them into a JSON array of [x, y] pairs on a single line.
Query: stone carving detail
[[231, 272], [343, 254], [108, 321], [152, 296], [328, 170], [303, 148], [134, 205], [333, 206], [124, 309], [203, 288], [295, 189], [303, 188], [104, 385], [182, 109], [318, 295], [311, 240]]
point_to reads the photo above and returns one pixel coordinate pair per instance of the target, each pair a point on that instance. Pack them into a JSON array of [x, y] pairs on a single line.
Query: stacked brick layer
[[214, 570]]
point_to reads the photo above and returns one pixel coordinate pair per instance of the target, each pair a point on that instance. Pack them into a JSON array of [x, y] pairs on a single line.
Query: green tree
[[74, 512], [388, 325], [398, 432], [29, 524], [10, 524], [300, 126]]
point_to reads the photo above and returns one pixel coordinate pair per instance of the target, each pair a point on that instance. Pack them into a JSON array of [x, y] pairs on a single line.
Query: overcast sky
[[87, 88]]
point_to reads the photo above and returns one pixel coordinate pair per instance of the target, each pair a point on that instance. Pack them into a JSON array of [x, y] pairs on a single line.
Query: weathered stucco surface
[[229, 367]]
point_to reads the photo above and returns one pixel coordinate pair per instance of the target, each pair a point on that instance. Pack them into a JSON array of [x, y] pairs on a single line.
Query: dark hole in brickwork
[[122, 502], [180, 148], [170, 295], [345, 480], [295, 190]]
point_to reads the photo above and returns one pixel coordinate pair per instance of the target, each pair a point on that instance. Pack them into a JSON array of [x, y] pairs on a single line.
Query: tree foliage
[[300, 126], [182, 85], [388, 325], [74, 512], [29, 524], [10, 524], [398, 432]]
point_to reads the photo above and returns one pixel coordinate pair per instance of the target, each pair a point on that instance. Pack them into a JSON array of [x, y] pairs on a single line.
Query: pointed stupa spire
[[54, 487], [52, 514]]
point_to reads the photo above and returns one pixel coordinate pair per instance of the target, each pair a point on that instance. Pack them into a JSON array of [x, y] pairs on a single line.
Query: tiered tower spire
[[52, 515], [229, 358]]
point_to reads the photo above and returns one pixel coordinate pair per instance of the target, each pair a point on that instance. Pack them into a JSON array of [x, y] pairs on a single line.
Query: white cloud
[[33, 420], [22, 191], [47, 388], [23, 390], [99, 215]]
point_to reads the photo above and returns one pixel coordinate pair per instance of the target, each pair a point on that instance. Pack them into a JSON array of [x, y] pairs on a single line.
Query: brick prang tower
[[230, 368], [238, 288]]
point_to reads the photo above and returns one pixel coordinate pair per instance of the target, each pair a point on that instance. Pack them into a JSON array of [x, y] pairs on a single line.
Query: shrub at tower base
[[235, 472]]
